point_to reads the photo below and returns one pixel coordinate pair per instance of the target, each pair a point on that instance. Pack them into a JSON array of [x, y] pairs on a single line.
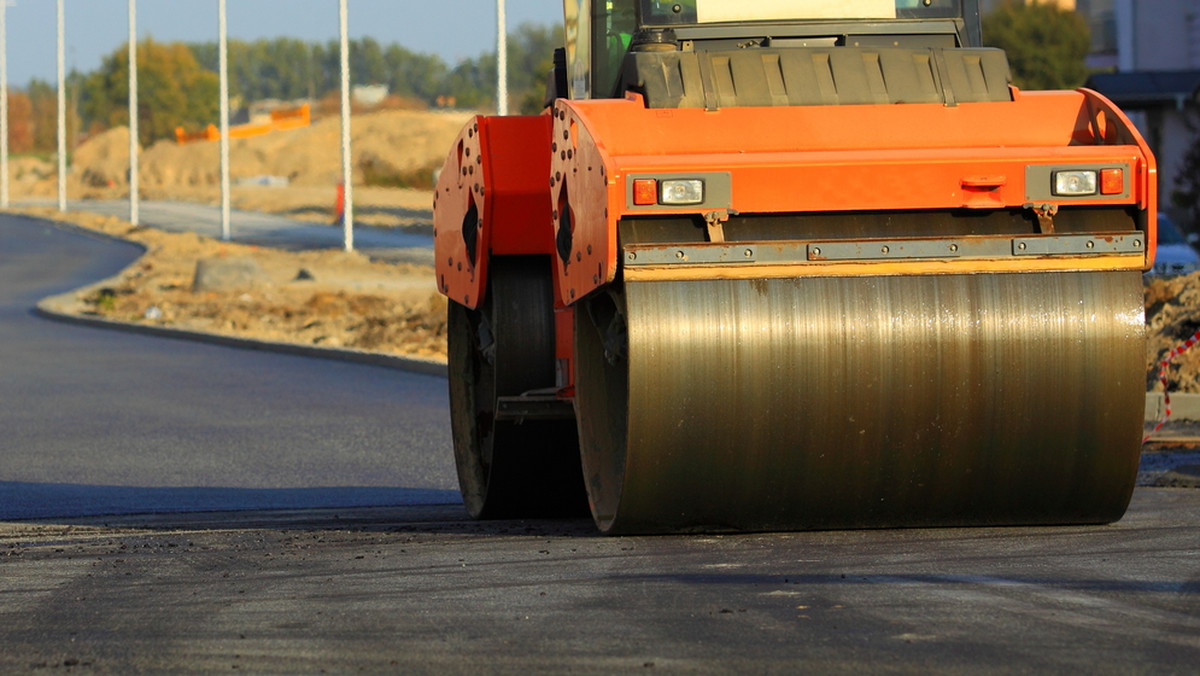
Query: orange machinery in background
[[287, 118]]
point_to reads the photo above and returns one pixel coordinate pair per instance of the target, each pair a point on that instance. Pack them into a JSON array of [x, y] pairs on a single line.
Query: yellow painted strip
[[888, 268]]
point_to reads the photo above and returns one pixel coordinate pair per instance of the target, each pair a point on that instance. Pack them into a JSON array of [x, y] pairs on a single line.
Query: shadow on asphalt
[[366, 509], [399, 520], [28, 500]]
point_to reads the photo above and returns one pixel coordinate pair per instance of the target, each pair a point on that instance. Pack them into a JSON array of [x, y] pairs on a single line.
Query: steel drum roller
[[861, 401]]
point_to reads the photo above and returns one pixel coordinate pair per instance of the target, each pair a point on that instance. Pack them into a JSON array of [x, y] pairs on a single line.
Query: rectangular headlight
[[676, 191], [1081, 182]]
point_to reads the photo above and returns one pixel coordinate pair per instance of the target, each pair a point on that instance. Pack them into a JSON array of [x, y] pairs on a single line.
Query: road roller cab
[[784, 265]]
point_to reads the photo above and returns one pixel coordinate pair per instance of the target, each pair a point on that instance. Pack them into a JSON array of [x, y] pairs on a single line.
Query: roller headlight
[[1073, 183], [679, 191]]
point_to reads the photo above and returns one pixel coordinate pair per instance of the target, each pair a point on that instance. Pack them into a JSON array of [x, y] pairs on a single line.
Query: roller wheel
[[508, 468], [936, 400]]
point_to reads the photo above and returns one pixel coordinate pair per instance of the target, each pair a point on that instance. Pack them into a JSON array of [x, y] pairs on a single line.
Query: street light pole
[[501, 59], [347, 167], [223, 67], [62, 115], [3, 104], [133, 114]]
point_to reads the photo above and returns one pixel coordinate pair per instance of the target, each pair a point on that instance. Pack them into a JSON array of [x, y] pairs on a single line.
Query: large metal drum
[[868, 401]]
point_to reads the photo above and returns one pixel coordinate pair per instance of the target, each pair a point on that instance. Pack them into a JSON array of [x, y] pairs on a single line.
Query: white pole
[[347, 174], [501, 59], [4, 104], [62, 115], [133, 114], [223, 67]]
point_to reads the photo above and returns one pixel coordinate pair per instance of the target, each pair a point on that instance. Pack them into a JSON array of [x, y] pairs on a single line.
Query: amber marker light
[[1112, 181], [645, 191]]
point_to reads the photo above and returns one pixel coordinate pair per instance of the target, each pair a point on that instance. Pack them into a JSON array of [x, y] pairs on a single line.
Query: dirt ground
[[1172, 317], [328, 298]]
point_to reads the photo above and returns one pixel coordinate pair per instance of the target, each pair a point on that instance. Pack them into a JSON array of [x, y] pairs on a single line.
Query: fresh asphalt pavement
[[421, 590], [96, 421], [101, 421]]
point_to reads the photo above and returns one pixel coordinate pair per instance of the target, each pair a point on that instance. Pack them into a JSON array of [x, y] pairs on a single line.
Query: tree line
[[178, 84]]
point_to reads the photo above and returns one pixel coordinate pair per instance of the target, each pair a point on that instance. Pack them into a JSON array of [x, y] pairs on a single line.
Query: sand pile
[[387, 142], [103, 161], [394, 147]]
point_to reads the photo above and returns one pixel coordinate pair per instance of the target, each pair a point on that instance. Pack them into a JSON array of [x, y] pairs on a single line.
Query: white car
[[1174, 256]]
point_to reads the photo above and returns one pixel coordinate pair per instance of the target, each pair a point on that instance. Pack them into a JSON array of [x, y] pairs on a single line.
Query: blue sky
[[453, 29]]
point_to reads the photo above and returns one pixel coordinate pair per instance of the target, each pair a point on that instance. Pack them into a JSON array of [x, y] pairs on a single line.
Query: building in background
[[1152, 53], [1146, 58], [1102, 21]]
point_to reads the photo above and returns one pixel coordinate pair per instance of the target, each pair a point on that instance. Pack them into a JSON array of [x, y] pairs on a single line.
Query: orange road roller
[[785, 265]]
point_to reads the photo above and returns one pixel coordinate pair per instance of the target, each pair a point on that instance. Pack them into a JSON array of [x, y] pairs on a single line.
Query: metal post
[[62, 115], [223, 67], [3, 104], [133, 114], [347, 173], [501, 59]]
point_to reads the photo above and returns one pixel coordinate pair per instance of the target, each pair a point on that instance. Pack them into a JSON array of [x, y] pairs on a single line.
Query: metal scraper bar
[[742, 253]]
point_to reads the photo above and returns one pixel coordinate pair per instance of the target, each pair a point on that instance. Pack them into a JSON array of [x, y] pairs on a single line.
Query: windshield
[[674, 12]]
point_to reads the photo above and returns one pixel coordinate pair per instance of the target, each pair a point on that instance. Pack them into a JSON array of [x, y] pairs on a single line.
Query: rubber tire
[[508, 469]]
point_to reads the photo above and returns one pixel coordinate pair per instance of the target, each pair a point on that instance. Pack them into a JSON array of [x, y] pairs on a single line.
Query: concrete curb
[[45, 308], [52, 308], [413, 364], [1184, 406]]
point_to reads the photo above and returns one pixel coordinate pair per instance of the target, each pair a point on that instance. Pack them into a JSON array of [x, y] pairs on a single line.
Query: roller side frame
[[515, 447]]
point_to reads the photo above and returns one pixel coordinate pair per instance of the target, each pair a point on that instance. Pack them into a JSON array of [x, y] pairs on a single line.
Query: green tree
[[414, 75], [43, 97], [367, 65], [530, 60], [285, 68], [173, 91], [472, 82], [43, 113], [1046, 46], [530, 57]]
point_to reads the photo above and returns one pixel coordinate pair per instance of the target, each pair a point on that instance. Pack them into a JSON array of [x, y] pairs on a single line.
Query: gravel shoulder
[[323, 298]]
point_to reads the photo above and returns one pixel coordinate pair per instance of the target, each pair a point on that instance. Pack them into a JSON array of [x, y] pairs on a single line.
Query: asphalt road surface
[[420, 590], [417, 588], [97, 421]]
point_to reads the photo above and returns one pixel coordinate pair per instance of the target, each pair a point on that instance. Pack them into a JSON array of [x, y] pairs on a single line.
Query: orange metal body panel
[[828, 158], [491, 200]]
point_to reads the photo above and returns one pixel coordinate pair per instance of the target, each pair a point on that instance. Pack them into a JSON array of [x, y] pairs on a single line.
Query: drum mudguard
[[491, 200], [856, 158]]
